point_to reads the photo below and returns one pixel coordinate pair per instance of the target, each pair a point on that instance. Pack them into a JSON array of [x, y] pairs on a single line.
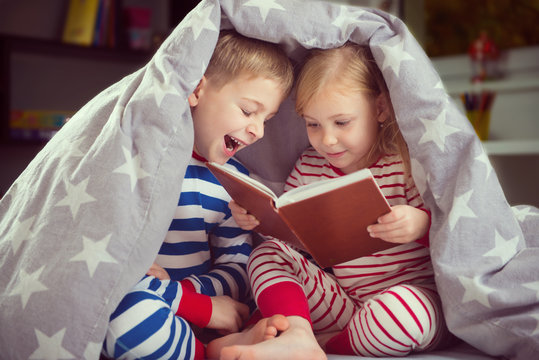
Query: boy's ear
[[195, 95]]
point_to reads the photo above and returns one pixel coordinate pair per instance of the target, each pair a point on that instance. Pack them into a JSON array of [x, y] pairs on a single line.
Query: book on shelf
[[328, 218], [92, 23], [80, 22]]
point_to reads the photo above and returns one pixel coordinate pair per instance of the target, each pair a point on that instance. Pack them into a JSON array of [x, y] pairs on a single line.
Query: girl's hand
[[244, 220], [402, 225], [158, 272], [228, 315]]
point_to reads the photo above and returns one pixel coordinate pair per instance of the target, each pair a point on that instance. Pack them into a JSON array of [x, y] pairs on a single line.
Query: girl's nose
[[328, 138]]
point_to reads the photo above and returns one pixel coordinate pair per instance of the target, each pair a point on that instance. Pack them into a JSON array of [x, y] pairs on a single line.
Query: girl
[[385, 304]]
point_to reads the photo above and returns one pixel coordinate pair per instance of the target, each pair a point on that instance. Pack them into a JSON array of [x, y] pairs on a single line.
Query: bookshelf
[[40, 74], [514, 127]]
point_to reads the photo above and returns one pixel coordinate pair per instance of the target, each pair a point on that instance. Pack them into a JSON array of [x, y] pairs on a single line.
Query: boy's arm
[[230, 248]]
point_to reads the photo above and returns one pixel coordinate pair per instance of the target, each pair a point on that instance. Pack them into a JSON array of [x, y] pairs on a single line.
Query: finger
[[235, 207], [386, 233]]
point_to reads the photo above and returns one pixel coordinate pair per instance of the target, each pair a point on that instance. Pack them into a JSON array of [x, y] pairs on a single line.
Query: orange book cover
[[80, 22], [328, 218]]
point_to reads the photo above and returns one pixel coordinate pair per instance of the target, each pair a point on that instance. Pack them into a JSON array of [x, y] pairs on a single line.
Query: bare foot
[[264, 329], [297, 342]]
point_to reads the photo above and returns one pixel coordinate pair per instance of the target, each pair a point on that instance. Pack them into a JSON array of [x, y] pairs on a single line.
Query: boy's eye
[[245, 112], [342, 122]]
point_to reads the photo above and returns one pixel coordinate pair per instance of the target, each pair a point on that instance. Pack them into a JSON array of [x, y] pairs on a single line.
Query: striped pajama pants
[[381, 305], [144, 324]]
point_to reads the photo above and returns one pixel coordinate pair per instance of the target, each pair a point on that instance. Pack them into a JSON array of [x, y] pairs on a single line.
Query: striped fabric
[[384, 304], [206, 248], [387, 170], [204, 244]]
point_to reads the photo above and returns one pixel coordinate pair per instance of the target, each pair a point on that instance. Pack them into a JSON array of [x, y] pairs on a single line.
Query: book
[[80, 22], [328, 218]]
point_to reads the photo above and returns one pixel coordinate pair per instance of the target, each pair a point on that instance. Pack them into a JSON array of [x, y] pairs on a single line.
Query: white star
[[474, 290], [76, 196], [504, 249], [69, 148], [346, 18], [199, 20], [420, 175], [264, 6], [394, 55], [28, 284], [309, 44], [132, 168], [22, 232], [74, 147], [521, 213], [482, 157], [92, 350], [533, 286], [460, 209], [436, 130], [94, 253], [51, 347]]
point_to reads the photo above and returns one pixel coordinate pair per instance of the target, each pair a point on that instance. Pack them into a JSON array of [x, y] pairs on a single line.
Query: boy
[[199, 275]]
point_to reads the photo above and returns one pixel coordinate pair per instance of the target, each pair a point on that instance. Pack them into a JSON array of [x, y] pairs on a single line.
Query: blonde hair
[[236, 55], [352, 68]]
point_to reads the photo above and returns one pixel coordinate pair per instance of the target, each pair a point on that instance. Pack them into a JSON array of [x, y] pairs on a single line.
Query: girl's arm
[[405, 223]]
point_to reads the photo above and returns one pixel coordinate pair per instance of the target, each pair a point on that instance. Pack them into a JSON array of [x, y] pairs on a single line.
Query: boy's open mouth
[[231, 144]]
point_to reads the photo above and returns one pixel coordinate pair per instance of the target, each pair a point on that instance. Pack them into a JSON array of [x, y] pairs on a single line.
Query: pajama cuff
[[425, 240], [195, 308], [285, 298]]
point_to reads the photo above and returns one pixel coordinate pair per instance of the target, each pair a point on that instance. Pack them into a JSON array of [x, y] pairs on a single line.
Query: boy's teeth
[[232, 143]]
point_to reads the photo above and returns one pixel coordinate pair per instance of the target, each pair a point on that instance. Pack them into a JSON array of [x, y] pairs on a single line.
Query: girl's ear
[[382, 109], [195, 95]]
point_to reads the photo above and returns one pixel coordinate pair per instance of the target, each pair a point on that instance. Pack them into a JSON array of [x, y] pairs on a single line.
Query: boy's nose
[[256, 129]]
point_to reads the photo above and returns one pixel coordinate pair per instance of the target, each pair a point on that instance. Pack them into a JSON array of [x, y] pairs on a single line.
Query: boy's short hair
[[236, 55]]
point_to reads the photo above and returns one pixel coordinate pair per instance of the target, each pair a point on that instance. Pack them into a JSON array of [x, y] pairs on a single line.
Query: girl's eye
[[312, 125], [342, 123], [245, 112]]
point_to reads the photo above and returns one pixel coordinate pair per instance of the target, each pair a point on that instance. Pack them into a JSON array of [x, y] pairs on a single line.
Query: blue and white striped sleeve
[[230, 249]]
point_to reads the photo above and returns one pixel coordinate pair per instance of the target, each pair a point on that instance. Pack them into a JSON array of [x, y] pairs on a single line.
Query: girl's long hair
[[353, 69]]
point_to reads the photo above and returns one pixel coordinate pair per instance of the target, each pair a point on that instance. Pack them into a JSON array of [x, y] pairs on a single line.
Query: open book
[[328, 218]]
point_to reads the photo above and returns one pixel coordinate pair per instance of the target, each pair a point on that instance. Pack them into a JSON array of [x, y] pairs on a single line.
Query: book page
[[246, 179], [320, 187]]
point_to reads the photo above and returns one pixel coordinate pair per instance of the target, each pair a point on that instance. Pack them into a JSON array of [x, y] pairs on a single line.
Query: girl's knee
[[406, 317]]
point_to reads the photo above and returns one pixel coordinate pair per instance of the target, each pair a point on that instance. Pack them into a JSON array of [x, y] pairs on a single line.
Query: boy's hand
[[244, 220], [158, 272], [228, 315], [402, 225]]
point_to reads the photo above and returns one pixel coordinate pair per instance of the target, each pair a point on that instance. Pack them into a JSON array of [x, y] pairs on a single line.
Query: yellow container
[[480, 121]]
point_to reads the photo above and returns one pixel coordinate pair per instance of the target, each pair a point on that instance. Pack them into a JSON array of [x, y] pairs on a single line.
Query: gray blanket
[[85, 220]]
